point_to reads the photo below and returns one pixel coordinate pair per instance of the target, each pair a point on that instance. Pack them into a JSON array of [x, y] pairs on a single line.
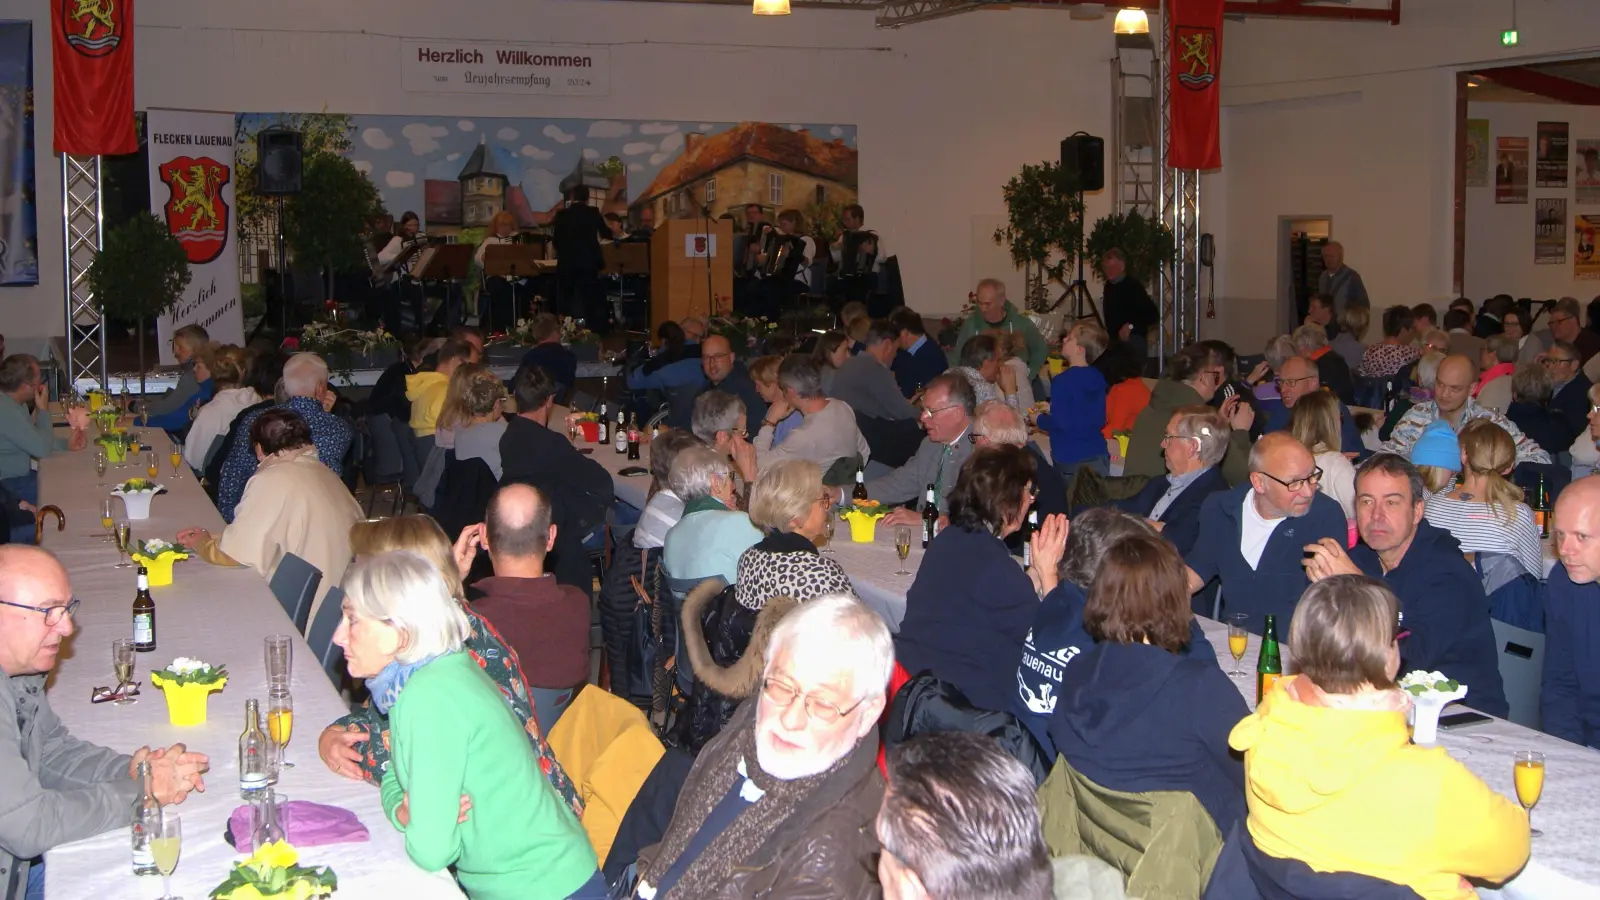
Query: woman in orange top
[[1128, 394]]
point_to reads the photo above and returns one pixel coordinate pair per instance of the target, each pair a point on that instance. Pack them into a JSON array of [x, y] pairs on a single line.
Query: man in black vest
[[578, 230]]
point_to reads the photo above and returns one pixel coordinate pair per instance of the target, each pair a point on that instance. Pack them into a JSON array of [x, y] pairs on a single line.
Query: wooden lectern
[[678, 253]]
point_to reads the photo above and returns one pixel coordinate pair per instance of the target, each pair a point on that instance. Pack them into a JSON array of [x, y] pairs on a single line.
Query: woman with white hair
[[720, 419], [461, 783], [713, 532]]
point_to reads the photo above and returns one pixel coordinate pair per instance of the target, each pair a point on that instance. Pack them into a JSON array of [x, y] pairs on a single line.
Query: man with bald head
[[1298, 377], [1339, 282], [55, 788], [545, 622], [724, 372], [1251, 536], [1452, 401], [1569, 699]]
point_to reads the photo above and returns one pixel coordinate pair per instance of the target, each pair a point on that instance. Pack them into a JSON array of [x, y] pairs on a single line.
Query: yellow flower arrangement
[[273, 872]]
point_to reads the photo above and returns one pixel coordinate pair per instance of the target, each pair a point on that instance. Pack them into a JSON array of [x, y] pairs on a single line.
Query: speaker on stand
[[1083, 159], [279, 156]]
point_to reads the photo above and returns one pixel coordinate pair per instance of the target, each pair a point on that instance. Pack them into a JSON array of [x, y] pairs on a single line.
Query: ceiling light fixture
[[771, 7], [1131, 21]]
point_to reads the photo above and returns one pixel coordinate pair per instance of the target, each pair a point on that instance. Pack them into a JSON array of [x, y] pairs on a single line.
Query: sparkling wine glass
[[280, 723], [165, 846], [827, 529], [902, 546], [124, 545], [122, 657], [1528, 775], [1238, 639], [100, 465], [152, 467], [175, 457], [107, 521]]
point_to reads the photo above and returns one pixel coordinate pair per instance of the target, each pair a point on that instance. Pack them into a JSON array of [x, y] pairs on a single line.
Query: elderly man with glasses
[[1193, 446], [947, 407], [998, 422], [1298, 377], [1251, 536], [56, 788], [1569, 389]]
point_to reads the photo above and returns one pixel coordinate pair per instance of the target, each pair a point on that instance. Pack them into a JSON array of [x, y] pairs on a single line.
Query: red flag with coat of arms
[[1195, 90], [93, 61]]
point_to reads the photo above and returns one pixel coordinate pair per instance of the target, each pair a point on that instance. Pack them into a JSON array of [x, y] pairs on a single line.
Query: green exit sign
[[1510, 38]]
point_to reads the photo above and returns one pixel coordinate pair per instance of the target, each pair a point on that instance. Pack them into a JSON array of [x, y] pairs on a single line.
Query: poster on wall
[[1586, 173], [1551, 155], [1477, 153], [191, 190], [1585, 264], [19, 231], [1511, 170], [1549, 231]]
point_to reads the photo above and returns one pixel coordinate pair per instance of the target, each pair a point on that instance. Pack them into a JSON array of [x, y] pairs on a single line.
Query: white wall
[[1500, 235], [946, 111]]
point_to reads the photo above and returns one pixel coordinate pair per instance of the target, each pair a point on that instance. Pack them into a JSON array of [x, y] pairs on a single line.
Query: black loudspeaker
[[1083, 156], [278, 157]]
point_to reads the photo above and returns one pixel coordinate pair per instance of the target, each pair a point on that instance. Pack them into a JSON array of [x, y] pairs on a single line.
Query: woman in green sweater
[[462, 782]]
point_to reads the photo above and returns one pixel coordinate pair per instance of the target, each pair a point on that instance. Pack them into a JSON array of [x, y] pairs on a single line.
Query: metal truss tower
[[1178, 205], [82, 232]]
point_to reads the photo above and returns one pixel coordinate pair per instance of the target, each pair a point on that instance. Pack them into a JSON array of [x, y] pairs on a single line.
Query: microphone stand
[[705, 213]]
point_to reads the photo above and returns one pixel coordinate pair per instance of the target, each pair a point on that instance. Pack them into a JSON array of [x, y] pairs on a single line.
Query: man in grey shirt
[[947, 407], [865, 381], [186, 342], [1338, 280]]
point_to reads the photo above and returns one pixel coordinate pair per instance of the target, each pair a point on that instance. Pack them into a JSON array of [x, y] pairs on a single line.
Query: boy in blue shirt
[[1078, 404]]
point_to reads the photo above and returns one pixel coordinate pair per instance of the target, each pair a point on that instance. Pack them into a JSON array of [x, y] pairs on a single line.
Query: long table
[[218, 615]]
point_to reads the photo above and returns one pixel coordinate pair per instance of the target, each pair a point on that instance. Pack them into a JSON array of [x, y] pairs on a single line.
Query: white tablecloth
[[219, 615]]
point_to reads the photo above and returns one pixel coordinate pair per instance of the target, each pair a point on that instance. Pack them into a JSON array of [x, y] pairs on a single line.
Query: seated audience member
[[187, 343], [1195, 440], [305, 384], [26, 434], [1127, 395], [1350, 342], [1585, 447], [1315, 424], [1297, 378], [1451, 403], [676, 364], [980, 365], [828, 432], [721, 422], [1569, 694], [713, 532], [545, 622], [1396, 352], [227, 365], [970, 607], [177, 421], [663, 508], [265, 377], [60, 788], [388, 396], [1458, 333], [1077, 417], [1437, 456], [764, 372], [960, 822], [471, 420], [426, 390], [947, 408], [1192, 378], [995, 311], [920, 358], [1467, 307], [579, 489], [725, 373], [1498, 361], [1251, 536], [1569, 392], [1433, 340], [1016, 387], [1566, 324], [865, 381], [1057, 636], [1517, 325], [831, 351], [1263, 380], [856, 328], [549, 352], [357, 745], [997, 423], [1424, 378], [1442, 599], [1333, 780], [1321, 311], [783, 800], [1485, 512], [450, 738], [1529, 409], [1134, 714], [1312, 343], [292, 504]]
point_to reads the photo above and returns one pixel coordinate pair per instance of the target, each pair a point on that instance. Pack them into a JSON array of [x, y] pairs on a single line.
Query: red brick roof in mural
[[517, 203], [799, 151], [441, 202]]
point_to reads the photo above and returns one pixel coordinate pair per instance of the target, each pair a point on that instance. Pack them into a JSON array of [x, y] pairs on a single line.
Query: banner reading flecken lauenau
[[191, 189], [93, 63], [1195, 91]]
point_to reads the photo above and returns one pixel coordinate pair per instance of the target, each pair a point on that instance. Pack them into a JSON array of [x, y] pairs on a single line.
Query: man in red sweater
[[546, 623]]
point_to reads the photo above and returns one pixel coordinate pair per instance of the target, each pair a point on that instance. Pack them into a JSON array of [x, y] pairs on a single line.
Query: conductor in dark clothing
[[578, 230], [1129, 312]]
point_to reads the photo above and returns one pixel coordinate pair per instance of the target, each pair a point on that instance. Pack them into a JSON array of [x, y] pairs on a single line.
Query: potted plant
[[157, 557], [139, 274], [136, 494], [187, 683], [273, 871], [1147, 244], [1044, 227], [323, 224]]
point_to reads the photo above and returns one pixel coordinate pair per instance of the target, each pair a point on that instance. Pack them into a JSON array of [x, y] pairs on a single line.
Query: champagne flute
[[175, 457], [100, 464], [280, 723], [165, 847], [1238, 639], [1528, 775], [902, 546], [124, 545], [151, 466], [107, 521], [827, 529], [122, 661]]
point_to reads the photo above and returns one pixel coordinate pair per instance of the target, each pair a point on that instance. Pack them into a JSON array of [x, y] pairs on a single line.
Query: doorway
[[1300, 242]]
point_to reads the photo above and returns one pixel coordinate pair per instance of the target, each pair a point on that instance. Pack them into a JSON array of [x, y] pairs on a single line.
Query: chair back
[[673, 592], [680, 404], [295, 584], [406, 445], [211, 451], [1521, 657], [549, 704], [842, 472], [384, 465], [1243, 872], [320, 637]]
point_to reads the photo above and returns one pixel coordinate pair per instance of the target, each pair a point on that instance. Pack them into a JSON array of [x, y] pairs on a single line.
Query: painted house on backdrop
[[481, 191], [752, 162]]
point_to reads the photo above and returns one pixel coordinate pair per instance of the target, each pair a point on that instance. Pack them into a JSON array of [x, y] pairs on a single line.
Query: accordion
[[858, 251]]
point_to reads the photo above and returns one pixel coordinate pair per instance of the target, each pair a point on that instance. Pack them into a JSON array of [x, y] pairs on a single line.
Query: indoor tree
[[139, 273], [324, 223], [1044, 228], [1147, 244]]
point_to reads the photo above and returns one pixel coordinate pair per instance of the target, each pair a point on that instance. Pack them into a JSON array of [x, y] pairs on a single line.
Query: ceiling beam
[[1533, 81]]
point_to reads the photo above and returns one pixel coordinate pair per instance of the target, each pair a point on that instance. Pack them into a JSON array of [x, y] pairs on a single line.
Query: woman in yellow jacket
[[1332, 779]]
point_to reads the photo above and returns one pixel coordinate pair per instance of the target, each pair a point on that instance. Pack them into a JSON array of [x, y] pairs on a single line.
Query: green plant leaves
[[1045, 213]]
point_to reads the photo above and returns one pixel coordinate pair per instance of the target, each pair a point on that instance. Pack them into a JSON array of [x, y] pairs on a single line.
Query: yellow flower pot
[[159, 569], [1057, 365], [115, 452], [863, 527], [186, 703]]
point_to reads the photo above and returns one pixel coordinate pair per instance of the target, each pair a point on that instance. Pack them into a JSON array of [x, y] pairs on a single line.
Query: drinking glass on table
[[122, 661], [175, 457], [107, 521], [151, 466], [124, 545], [280, 723], [279, 654], [165, 847], [827, 530], [100, 464], [1238, 640], [902, 546], [1528, 774]]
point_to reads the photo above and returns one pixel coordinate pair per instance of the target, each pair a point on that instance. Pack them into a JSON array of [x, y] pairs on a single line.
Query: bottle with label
[[144, 615], [1029, 528], [860, 492], [930, 519], [1541, 508], [620, 434], [1269, 666], [146, 824], [253, 753], [633, 437], [602, 437]]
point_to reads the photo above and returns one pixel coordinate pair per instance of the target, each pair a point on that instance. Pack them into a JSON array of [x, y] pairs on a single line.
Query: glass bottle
[[619, 434], [144, 615], [1028, 530], [860, 492], [254, 753], [146, 822], [1269, 666], [930, 519], [601, 437], [633, 437], [264, 827]]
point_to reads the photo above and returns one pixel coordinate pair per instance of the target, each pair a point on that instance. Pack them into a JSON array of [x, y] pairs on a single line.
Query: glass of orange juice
[[1528, 773], [151, 467], [175, 457], [1238, 639], [280, 722]]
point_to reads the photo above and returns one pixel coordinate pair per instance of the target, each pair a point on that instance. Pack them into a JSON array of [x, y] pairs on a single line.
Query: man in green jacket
[[25, 432], [995, 311]]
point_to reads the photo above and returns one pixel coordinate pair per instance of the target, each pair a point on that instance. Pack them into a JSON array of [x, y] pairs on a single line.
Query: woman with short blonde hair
[[471, 420], [764, 372], [1314, 421]]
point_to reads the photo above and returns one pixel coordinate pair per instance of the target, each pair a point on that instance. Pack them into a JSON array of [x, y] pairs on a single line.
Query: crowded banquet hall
[[1180, 502]]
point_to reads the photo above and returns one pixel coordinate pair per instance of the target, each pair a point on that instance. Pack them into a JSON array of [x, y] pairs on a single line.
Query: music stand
[[622, 260], [444, 262], [511, 261]]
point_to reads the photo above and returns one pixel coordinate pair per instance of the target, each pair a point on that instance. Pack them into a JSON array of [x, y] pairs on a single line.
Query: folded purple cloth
[[305, 824]]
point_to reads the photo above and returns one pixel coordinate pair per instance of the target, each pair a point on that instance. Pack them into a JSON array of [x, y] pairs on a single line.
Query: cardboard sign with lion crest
[[191, 155]]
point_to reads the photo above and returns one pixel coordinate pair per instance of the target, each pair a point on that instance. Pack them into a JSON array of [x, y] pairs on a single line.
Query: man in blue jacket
[[1192, 447], [1569, 697], [920, 360], [1251, 536], [1441, 598]]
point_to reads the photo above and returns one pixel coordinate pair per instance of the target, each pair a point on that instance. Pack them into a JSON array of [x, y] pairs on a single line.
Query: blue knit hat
[[1437, 446]]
